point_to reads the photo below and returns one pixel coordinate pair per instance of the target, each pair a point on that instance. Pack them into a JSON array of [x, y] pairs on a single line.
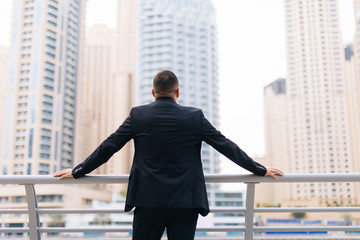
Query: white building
[[4, 78], [319, 139], [94, 85], [352, 71], [318, 98], [40, 120], [276, 142], [103, 101], [277, 117], [353, 102]]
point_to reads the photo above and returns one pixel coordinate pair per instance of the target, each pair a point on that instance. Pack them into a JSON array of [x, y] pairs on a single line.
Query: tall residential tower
[[352, 69], [4, 79], [276, 141], [93, 93], [319, 138], [45, 39], [314, 125], [103, 101]]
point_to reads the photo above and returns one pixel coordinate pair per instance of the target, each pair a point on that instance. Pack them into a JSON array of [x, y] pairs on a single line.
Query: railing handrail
[[209, 178], [35, 229]]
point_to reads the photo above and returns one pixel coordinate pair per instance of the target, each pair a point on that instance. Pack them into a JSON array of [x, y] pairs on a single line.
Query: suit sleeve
[[106, 149], [229, 149]]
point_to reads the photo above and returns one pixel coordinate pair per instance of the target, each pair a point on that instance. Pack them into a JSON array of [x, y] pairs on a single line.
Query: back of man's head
[[165, 83]]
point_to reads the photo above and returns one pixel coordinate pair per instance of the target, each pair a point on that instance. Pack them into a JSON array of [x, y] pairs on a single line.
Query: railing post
[[249, 211], [34, 223]]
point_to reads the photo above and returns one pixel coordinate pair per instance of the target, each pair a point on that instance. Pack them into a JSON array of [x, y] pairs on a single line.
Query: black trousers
[[150, 223]]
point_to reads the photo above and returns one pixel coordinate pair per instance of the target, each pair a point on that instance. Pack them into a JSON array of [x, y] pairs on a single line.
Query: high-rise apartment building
[[103, 100], [44, 56], [353, 103], [276, 141], [126, 36], [4, 78], [277, 137], [313, 126], [353, 62], [106, 87], [125, 73], [319, 138], [181, 36], [40, 106], [94, 86]]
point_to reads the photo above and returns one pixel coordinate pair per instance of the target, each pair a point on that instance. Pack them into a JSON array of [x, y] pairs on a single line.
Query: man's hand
[[67, 173], [272, 171]]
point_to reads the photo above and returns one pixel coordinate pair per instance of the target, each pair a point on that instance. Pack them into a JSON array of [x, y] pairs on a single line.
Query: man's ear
[[177, 92], [153, 92]]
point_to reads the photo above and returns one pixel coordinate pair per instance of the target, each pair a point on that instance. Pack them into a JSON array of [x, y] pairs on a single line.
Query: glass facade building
[[181, 36]]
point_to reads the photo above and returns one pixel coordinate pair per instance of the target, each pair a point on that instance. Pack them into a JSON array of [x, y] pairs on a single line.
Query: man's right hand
[[67, 173], [270, 171]]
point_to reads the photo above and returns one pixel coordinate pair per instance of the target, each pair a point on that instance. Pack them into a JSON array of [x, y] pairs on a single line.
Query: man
[[166, 183]]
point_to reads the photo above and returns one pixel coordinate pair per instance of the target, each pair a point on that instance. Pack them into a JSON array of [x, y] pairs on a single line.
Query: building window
[[44, 156]]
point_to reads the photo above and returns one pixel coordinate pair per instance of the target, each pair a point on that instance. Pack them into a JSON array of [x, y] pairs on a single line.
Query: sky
[[251, 55]]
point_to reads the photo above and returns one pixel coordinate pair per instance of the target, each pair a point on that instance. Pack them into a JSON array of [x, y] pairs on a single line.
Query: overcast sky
[[251, 55]]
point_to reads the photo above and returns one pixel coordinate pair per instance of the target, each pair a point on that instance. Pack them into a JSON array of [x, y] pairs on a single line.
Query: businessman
[[166, 183]]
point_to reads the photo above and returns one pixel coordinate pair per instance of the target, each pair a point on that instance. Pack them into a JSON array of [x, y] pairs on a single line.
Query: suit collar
[[167, 99]]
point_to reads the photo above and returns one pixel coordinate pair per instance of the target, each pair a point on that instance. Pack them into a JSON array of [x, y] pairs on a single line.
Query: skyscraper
[[4, 78], [276, 140], [181, 36], [352, 68], [319, 139], [125, 73], [94, 86], [44, 56], [353, 102], [40, 106], [126, 36], [102, 100]]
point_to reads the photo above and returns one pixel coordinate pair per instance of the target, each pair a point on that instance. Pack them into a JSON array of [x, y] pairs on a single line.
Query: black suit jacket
[[167, 170]]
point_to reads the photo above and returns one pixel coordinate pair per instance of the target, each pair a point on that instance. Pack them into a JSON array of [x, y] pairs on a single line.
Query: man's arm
[[229, 149], [102, 153]]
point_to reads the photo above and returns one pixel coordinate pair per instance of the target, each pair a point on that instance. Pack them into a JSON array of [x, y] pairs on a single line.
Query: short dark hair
[[165, 82]]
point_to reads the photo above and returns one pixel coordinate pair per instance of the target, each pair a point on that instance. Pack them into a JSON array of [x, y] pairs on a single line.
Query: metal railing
[[35, 229]]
